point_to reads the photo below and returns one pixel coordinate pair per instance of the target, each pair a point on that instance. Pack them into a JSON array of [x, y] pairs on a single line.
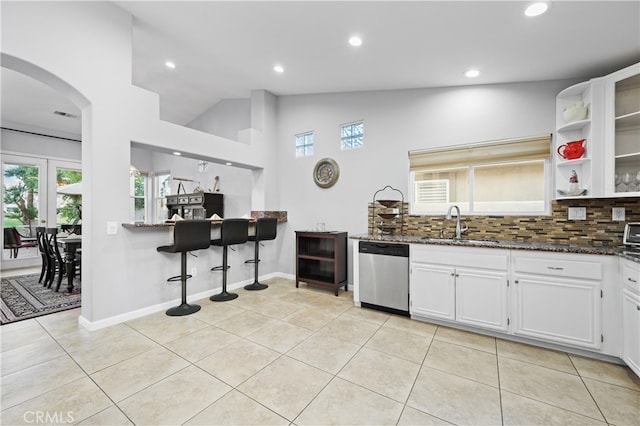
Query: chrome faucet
[[459, 229]]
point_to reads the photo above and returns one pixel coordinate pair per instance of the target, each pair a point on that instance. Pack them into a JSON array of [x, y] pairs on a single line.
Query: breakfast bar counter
[[256, 214]]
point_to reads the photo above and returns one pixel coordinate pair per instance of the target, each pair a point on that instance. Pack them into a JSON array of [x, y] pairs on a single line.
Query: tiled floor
[[285, 356]]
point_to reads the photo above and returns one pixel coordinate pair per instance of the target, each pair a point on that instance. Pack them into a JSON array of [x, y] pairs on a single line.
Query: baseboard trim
[[128, 316]]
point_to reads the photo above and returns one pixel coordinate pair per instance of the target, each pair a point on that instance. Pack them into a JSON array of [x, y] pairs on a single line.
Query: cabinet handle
[[638, 307], [555, 268], [632, 280]]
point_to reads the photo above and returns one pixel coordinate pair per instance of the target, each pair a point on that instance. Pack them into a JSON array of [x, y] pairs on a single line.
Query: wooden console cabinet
[[198, 205], [321, 259]]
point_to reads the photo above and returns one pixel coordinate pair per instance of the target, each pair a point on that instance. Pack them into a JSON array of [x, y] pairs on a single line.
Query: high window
[[501, 177], [304, 144], [351, 135]]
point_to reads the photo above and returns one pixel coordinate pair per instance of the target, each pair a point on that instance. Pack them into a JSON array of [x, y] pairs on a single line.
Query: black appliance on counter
[[197, 205]]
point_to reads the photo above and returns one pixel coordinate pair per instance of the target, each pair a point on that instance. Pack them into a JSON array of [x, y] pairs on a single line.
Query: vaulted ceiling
[[225, 49]]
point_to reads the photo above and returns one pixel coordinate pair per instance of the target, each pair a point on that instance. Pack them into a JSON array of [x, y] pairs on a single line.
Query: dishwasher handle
[[385, 249]]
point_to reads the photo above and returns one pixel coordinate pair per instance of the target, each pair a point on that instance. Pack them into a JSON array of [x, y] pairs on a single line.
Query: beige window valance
[[529, 148]]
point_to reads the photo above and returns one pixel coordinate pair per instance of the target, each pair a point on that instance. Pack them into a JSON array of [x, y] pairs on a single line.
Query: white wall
[[41, 146], [84, 50], [225, 119], [395, 122]]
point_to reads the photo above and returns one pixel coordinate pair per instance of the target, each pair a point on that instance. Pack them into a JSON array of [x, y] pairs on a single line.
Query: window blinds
[[530, 148]]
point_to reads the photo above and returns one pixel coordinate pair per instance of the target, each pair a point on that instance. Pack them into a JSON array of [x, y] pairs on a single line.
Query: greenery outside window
[[501, 177], [352, 135], [304, 144], [138, 191]]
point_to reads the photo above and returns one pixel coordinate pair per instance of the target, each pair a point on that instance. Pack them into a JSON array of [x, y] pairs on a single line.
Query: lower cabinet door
[[631, 330], [481, 298], [558, 310], [432, 290]]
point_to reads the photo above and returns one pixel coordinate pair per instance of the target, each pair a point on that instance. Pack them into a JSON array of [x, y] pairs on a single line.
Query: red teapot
[[571, 150]]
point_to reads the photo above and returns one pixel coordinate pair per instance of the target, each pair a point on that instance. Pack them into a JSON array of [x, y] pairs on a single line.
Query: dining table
[[70, 244]]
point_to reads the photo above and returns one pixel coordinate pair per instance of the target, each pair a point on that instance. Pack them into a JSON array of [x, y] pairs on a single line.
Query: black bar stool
[[232, 232], [188, 235], [266, 229]]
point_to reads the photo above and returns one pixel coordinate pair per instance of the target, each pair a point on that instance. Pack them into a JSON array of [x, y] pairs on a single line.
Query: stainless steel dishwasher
[[384, 276]]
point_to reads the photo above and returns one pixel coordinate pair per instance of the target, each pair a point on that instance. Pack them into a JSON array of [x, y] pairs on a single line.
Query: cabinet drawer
[[461, 256], [559, 268], [183, 199], [173, 199], [195, 199], [631, 276]]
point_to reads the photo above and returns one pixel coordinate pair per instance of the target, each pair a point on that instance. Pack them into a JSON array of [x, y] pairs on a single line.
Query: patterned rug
[[23, 297]]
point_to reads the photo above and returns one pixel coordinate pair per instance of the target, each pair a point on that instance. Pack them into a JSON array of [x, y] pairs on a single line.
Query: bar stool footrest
[[251, 261], [178, 278], [219, 268]]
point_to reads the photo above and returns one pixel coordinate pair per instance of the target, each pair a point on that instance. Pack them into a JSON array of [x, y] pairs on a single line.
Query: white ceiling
[[225, 49]]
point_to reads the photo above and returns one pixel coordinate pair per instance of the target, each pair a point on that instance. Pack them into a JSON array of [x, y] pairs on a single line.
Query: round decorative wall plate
[[326, 173]]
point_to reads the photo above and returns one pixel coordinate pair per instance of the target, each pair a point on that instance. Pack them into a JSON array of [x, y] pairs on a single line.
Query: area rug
[[23, 297]]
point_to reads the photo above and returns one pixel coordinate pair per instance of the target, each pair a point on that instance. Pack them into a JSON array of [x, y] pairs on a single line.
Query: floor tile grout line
[[415, 380], [495, 341], [589, 391], [86, 375], [553, 405]]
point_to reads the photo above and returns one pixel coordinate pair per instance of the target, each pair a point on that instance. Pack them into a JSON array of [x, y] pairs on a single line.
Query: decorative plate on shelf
[[326, 173]]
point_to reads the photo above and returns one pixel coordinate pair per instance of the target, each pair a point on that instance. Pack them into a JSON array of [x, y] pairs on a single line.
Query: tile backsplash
[[598, 229]]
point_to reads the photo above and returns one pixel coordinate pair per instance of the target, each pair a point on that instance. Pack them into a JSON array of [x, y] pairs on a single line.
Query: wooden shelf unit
[[321, 259]]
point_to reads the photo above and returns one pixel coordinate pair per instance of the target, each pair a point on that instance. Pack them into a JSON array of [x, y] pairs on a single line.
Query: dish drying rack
[[386, 227]]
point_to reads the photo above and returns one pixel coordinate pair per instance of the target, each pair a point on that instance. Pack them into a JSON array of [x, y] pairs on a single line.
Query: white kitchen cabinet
[[610, 166], [631, 314], [432, 291], [557, 298], [474, 294], [622, 132], [631, 330], [481, 298]]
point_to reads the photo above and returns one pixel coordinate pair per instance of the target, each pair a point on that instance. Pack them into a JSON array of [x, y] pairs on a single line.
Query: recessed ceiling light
[[177, 153], [355, 41], [472, 73], [228, 163], [170, 64], [536, 9], [278, 68]]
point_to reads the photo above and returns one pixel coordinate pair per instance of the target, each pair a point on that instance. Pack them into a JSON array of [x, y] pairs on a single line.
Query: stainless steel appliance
[[384, 276], [632, 234]]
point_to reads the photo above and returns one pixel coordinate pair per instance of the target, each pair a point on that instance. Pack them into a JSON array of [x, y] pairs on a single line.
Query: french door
[[30, 198]]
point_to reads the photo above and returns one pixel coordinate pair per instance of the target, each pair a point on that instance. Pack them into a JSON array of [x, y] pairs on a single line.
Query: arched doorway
[[42, 166]]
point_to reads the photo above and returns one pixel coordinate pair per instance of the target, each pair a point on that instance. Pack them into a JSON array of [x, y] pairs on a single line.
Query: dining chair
[[56, 261]]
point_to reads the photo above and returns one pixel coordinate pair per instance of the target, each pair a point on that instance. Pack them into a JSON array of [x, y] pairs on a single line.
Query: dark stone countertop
[[633, 255], [255, 214]]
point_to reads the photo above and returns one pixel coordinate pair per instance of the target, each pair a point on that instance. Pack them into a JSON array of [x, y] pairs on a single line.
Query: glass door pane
[[21, 207], [68, 196]]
